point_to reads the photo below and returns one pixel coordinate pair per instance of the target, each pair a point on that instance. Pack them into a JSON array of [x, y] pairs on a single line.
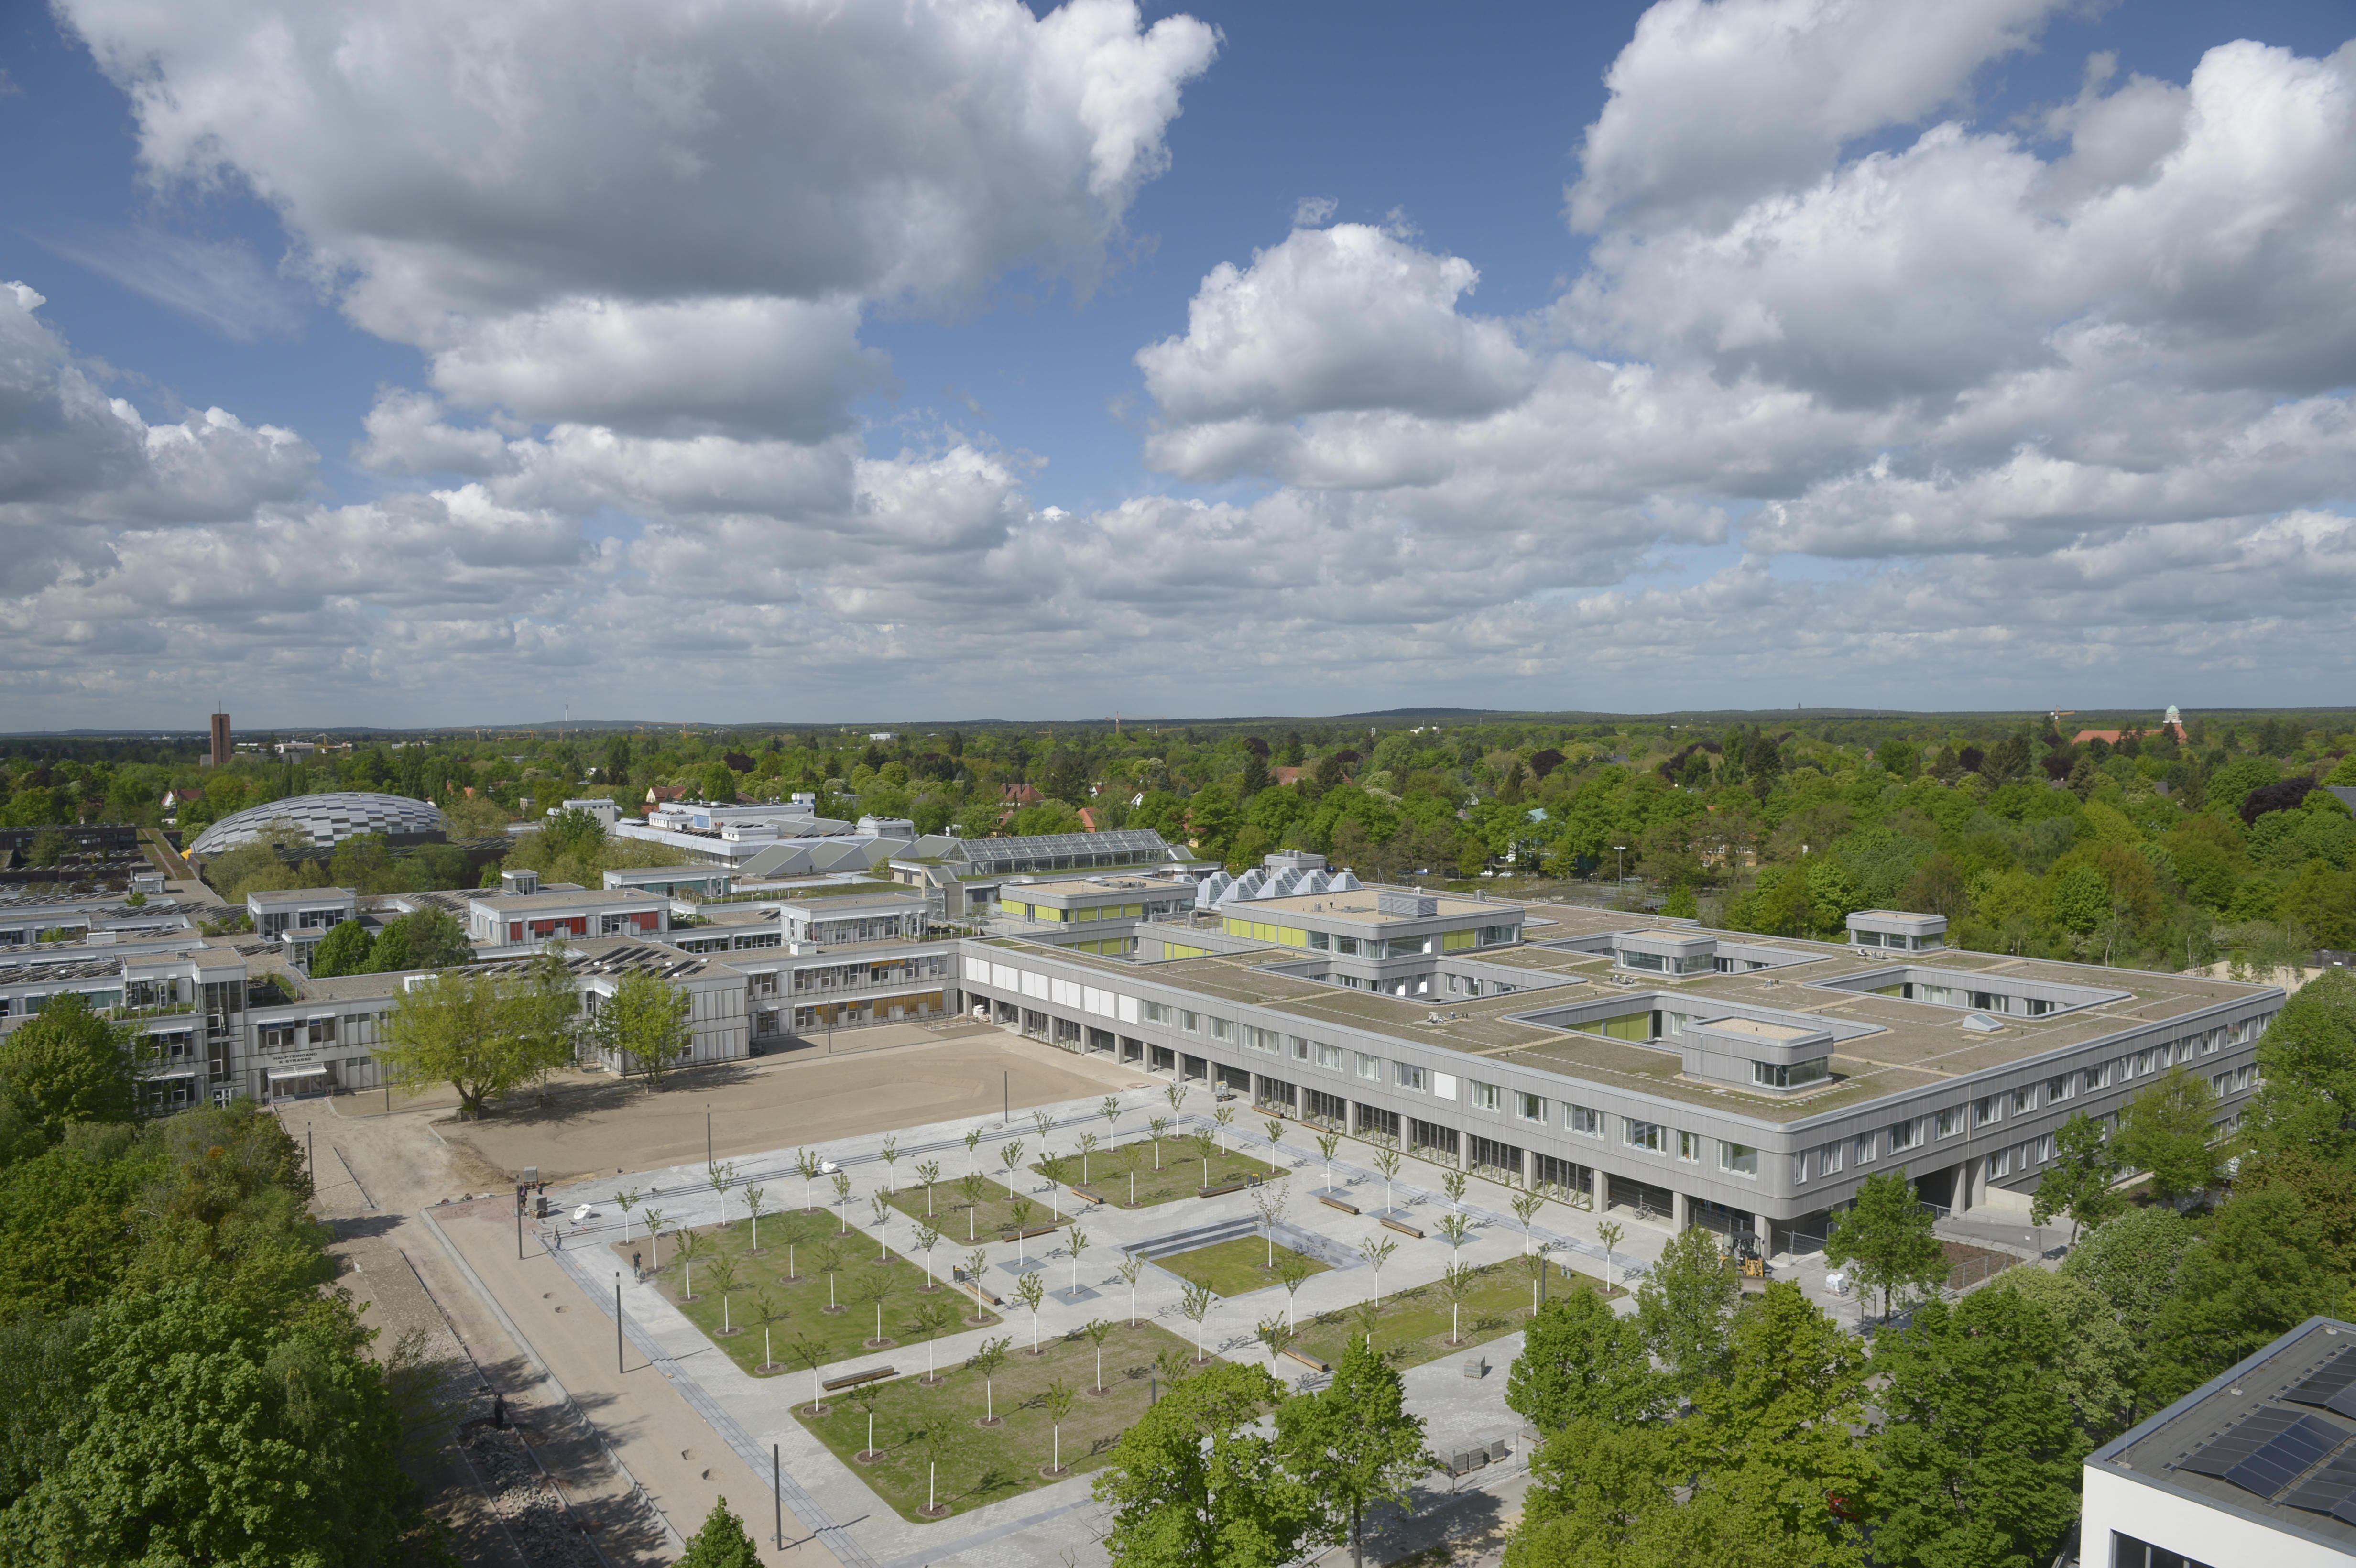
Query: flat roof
[[300, 895], [2229, 1418], [1759, 1029], [1078, 887], [1912, 1045], [565, 898], [1359, 904]]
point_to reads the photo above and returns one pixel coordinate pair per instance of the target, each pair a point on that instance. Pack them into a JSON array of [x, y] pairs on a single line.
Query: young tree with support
[[1159, 1128], [1275, 1128], [1132, 1267], [1194, 1304], [987, 1361], [1029, 1292], [1056, 1401], [1098, 1330], [1386, 1161], [928, 1171], [1292, 1274], [1077, 1241], [1329, 1145]]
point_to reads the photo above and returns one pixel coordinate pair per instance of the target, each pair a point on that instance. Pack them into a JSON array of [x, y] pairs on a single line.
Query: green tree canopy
[[722, 1542], [481, 1034], [200, 1434], [1979, 1454], [1885, 1237], [67, 1064], [2306, 1060], [2078, 1182], [343, 951], [2260, 1268], [2166, 1131], [1193, 1482], [1352, 1444], [643, 1025], [1580, 1359], [1685, 1308]]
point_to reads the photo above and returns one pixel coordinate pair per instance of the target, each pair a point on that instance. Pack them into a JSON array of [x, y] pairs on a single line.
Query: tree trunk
[[1357, 1537]]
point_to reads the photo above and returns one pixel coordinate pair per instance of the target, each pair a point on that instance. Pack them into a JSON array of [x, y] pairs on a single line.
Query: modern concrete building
[[1744, 1082], [701, 880], [963, 876], [505, 919], [2258, 1466]]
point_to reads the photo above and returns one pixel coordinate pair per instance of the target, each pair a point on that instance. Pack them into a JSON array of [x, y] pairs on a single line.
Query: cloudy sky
[[802, 359]]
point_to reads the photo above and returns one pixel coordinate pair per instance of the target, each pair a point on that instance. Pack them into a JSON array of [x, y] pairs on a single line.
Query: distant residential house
[[1287, 775], [1020, 795], [176, 798], [2111, 736], [663, 795], [1088, 819]]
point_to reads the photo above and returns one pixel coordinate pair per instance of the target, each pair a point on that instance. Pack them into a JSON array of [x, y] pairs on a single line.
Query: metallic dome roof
[[328, 818]]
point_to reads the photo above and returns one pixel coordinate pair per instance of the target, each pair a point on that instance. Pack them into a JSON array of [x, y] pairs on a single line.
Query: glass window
[[1329, 1056], [2000, 1163], [1297, 1046], [2093, 1078], [1951, 1122], [1828, 1160], [1738, 1159], [1689, 1147], [1348, 944], [1221, 1028], [1649, 1135], [1407, 1076], [2060, 1089], [1860, 1150], [1797, 1075], [1370, 1067], [1319, 943], [1531, 1107], [2024, 1099], [1904, 1135], [1987, 1109], [1800, 1168], [1580, 1120], [1483, 1095], [1191, 1022]]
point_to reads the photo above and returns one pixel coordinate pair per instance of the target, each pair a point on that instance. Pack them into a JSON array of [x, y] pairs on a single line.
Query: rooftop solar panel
[[2252, 1432], [2332, 1490], [2267, 1451], [2331, 1385]]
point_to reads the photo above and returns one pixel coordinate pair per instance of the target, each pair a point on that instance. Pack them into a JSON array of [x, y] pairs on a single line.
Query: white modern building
[[2255, 1466]]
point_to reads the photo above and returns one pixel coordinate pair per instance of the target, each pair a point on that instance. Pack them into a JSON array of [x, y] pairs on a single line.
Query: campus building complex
[[1741, 1083]]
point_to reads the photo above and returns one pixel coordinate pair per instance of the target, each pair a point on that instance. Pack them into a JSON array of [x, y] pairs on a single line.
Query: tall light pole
[[1621, 850]]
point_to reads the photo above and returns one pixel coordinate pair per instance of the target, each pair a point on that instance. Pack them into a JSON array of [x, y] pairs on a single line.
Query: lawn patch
[[1413, 1324], [795, 1313], [1236, 1267], [974, 1464]]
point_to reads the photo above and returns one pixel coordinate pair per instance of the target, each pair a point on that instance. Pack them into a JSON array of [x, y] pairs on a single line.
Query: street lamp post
[[1621, 850]]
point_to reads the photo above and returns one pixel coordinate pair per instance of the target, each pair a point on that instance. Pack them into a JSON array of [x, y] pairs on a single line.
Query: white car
[[584, 1213]]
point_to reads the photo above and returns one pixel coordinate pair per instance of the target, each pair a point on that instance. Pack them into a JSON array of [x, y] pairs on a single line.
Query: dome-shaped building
[[329, 819]]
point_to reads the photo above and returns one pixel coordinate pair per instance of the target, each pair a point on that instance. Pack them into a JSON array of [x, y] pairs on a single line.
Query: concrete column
[[1680, 1211], [1766, 1228], [1603, 1191]]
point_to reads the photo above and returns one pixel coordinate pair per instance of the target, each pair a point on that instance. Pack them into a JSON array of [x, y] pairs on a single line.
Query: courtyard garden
[[999, 1425]]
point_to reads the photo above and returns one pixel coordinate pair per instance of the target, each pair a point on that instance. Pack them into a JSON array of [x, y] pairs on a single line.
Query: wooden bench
[[852, 1379], [1331, 1201], [1088, 1195], [1312, 1363], [979, 1291], [1024, 1235], [1222, 1190], [1402, 1227]]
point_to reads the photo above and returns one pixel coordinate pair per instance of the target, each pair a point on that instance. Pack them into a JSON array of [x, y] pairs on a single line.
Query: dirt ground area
[[595, 1124], [376, 1172]]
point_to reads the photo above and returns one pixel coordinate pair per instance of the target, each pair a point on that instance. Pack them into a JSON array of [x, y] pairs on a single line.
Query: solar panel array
[[2267, 1450], [2331, 1385]]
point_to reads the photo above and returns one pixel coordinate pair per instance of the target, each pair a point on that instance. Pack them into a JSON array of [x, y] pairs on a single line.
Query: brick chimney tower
[[220, 751]]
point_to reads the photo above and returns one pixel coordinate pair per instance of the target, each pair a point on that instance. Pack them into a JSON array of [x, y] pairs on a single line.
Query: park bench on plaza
[[852, 1379], [1402, 1227], [1331, 1201]]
